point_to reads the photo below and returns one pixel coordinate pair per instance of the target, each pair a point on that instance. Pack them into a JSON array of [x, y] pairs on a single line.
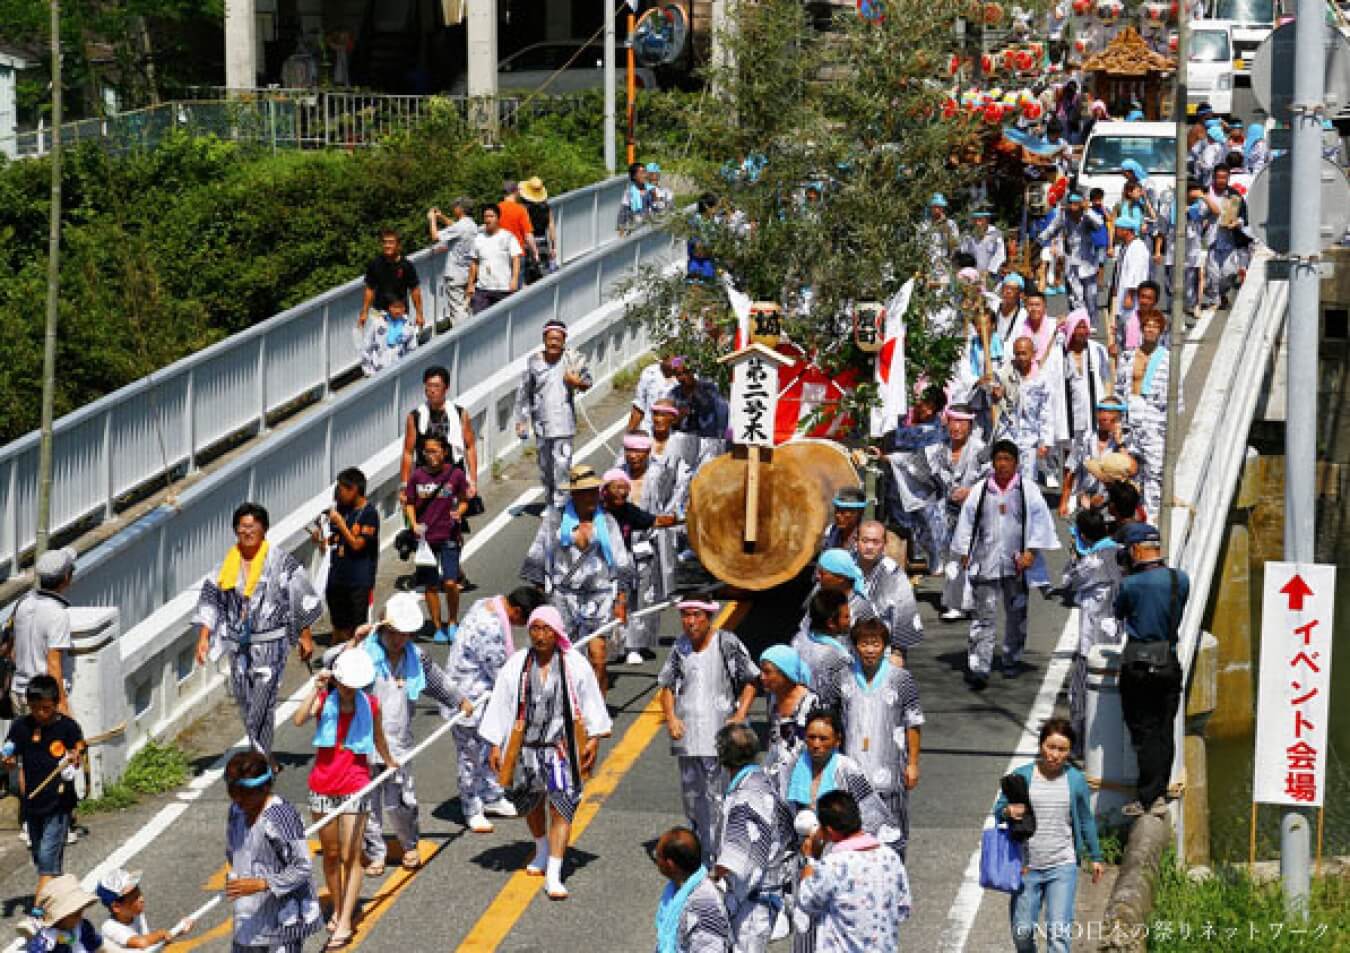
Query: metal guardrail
[[161, 425], [285, 118], [171, 549], [1210, 465]]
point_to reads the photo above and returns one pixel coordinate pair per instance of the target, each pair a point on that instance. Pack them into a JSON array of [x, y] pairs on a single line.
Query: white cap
[[403, 612], [354, 669], [56, 562], [117, 883]]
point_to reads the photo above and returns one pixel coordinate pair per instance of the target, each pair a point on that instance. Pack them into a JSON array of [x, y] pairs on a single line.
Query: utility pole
[[44, 514], [1305, 205], [1178, 290], [611, 154]]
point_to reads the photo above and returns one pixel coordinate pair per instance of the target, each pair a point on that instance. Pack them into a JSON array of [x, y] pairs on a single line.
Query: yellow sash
[[229, 570]]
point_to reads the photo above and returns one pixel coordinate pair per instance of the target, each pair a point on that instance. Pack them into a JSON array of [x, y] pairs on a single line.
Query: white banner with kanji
[[1292, 708]]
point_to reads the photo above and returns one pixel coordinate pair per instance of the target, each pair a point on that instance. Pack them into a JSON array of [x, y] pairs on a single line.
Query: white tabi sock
[[541, 857], [553, 880]]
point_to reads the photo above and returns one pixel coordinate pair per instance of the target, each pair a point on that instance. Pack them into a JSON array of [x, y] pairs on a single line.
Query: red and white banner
[[892, 396]]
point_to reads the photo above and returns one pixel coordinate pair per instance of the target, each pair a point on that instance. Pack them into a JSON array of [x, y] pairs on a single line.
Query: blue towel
[[570, 521], [414, 678], [671, 909], [977, 352], [741, 775], [398, 330], [822, 638], [840, 563], [787, 661], [360, 733], [1154, 362], [877, 680], [799, 787]]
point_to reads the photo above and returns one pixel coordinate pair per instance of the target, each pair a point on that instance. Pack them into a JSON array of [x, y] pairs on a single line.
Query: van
[[1251, 22], [1209, 67], [1152, 144]]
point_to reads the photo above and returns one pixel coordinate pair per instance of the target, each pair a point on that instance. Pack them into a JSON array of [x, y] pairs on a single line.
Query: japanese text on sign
[[754, 400], [1292, 704]]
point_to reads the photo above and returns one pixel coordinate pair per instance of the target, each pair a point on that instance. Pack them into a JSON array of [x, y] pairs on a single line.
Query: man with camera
[[353, 542], [1149, 604]]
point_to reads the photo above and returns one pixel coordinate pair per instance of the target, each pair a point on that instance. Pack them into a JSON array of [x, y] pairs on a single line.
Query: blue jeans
[[1054, 887], [47, 842]]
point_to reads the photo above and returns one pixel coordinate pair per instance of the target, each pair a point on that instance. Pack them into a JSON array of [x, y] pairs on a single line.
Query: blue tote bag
[[1000, 860]]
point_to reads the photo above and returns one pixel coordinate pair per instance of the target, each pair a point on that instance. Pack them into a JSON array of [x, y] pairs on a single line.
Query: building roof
[[16, 57], [1129, 55]]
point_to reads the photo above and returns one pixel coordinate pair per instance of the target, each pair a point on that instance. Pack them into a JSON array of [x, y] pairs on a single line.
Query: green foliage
[[851, 113], [169, 250], [1112, 842], [1231, 912], [152, 770]]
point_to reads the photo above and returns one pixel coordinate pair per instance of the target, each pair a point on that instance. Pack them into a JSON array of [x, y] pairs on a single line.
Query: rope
[[387, 773]]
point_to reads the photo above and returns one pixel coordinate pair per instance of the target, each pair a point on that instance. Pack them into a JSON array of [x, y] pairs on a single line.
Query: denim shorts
[[47, 841]]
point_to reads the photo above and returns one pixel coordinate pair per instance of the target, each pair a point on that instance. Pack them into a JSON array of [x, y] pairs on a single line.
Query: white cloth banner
[[892, 395]]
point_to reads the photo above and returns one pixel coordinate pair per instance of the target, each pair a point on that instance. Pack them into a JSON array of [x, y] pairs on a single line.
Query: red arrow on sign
[[1297, 590]]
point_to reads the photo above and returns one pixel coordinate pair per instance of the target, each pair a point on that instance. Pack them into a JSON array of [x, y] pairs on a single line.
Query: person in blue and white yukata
[[1082, 258], [691, 917], [1024, 397], [914, 450], [942, 239], [965, 463], [707, 681], [578, 558], [985, 243], [550, 692], [754, 840], [546, 401], [481, 648], [257, 607], [1002, 532], [1141, 378], [403, 673], [889, 590]]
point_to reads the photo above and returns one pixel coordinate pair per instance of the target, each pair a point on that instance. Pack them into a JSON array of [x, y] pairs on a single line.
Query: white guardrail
[[152, 570], [160, 426]]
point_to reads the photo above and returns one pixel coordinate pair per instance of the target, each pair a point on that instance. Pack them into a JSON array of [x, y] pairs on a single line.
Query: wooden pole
[[630, 138], [989, 371], [1317, 868], [44, 489], [751, 498], [1251, 842]]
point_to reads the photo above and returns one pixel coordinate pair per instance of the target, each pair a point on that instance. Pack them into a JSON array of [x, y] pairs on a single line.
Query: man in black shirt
[[390, 277], [354, 544]]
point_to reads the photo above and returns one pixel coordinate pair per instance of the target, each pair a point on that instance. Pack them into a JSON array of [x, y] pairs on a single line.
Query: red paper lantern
[[1081, 7], [1031, 109], [1172, 43], [954, 65], [949, 108], [1172, 12], [1080, 46], [993, 14], [993, 113], [986, 63], [1057, 190], [1024, 60]]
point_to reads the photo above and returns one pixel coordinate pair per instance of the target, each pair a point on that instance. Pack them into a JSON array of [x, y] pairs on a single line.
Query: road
[[468, 897]]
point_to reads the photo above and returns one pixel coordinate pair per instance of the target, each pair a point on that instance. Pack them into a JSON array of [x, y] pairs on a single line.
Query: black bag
[[1016, 791], [1158, 653]]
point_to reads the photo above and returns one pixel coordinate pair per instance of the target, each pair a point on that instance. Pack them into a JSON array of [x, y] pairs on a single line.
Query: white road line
[[161, 822], [966, 906]]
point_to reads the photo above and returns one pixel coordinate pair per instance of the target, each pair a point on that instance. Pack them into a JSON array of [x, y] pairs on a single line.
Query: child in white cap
[[126, 927]]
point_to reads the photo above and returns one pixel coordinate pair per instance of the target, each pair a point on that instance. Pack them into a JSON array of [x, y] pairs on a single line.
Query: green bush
[[1231, 912], [152, 770], [169, 250]]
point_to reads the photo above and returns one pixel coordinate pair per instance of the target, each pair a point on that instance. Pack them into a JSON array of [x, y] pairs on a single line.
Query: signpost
[[754, 404], [1292, 736]]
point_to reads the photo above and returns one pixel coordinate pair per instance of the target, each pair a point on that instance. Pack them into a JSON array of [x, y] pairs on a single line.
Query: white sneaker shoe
[[501, 809], [480, 825], [952, 615], [23, 836], [634, 658]]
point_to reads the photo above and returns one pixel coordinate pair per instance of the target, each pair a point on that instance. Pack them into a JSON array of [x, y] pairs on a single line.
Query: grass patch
[[627, 378], [152, 770], [1112, 841], [1232, 913]]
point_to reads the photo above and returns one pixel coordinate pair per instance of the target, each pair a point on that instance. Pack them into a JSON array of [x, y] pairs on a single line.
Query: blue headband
[[786, 660], [838, 562], [1111, 405], [843, 504], [257, 782]]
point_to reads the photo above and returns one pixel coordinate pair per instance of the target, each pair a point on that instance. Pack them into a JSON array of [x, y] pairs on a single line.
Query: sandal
[[340, 942], [375, 870], [412, 861]]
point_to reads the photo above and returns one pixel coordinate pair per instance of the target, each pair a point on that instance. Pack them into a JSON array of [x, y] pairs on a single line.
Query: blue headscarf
[[570, 522], [671, 909], [786, 660], [1135, 115], [1133, 166], [360, 733], [799, 786], [1216, 134], [1256, 132], [977, 352], [414, 678], [840, 563]]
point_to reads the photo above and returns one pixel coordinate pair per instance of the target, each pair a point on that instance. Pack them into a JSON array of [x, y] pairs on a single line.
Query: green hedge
[[167, 251]]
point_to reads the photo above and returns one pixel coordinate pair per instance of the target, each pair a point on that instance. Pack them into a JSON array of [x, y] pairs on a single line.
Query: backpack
[[1101, 237]]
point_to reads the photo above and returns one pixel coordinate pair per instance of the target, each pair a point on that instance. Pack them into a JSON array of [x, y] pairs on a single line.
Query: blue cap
[[1013, 278], [1217, 134], [1075, 197], [938, 199], [1112, 404], [653, 167], [982, 212], [1135, 115], [1136, 533], [1133, 167], [1129, 221], [839, 562]]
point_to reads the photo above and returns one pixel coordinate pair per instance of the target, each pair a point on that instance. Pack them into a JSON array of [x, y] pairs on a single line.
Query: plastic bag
[[1000, 861], [424, 555]]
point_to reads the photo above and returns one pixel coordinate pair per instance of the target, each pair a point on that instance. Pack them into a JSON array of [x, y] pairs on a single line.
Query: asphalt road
[[467, 898]]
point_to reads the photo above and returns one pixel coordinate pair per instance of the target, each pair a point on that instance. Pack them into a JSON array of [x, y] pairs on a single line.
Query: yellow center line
[[509, 905], [370, 911]]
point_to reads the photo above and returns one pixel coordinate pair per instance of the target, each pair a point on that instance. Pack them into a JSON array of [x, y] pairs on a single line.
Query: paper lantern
[[993, 113], [1057, 190], [1172, 42], [1024, 60], [986, 63], [1082, 7], [1031, 110], [993, 14], [954, 65], [949, 108]]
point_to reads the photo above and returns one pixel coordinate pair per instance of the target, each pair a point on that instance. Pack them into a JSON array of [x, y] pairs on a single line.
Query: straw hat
[[582, 477], [533, 190], [354, 670], [61, 897], [1111, 467]]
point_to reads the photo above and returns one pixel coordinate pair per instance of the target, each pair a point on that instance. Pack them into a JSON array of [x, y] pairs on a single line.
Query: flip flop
[[534, 871], [374, 870], [340, 942], [411, 861]]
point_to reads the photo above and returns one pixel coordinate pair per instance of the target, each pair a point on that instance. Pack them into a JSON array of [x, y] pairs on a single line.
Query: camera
[[405, 544]]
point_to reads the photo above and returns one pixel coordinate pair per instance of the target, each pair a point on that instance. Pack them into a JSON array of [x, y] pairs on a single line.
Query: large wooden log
[[796, 486]]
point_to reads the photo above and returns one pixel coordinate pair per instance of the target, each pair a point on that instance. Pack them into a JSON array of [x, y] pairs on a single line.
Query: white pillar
[[611, 154], [241, 45], [482, 71]]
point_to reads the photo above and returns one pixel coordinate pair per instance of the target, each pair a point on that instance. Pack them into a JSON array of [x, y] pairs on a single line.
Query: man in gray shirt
[[546, 400], [456, 236], [42, 629]]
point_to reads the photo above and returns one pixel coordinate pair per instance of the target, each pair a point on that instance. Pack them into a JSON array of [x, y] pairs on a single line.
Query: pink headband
[[1074, 319], [637, 441], [551, 617], [700, 604], [615, 476], [957, 414], [665, 405]]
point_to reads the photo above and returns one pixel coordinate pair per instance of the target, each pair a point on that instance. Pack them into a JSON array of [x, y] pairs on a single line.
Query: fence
[[151, 570], [107, 451], [287, 118]]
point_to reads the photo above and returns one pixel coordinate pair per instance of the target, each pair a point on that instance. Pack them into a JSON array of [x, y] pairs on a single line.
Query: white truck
[[1250, 22]]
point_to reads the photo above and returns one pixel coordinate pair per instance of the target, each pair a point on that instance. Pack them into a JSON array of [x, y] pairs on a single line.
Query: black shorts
[[348, 606]]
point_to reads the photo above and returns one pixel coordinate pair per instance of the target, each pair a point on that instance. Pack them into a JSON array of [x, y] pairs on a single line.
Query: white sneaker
[[480, 825], [72, 838], [23, 836], [635, 658], [952, 615], [555, 890], [501, 809]]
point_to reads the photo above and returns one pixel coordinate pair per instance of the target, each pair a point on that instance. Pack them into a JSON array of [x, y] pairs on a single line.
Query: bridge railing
[[159, 427], [152, 571]]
